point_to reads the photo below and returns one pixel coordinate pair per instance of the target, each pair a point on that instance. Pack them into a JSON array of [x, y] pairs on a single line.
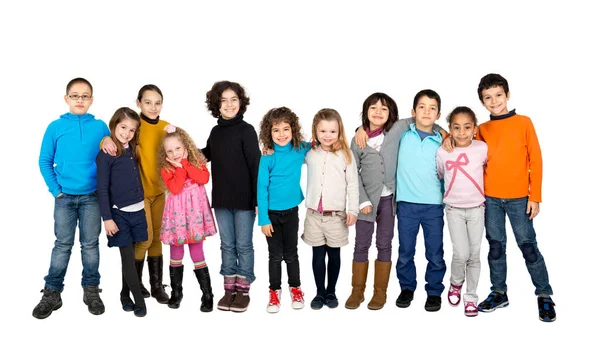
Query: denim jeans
[[237, 252], [69, 210], [431, 218], [495, 231]]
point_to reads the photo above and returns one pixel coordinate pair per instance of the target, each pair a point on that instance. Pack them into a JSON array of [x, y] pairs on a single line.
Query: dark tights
[[130, 278], [319, 269]]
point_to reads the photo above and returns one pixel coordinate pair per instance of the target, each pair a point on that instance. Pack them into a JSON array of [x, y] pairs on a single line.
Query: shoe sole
[[44, 316], [238, 310], [297, 307], [223, 308], [94, 313], [500, 305], [433, 308], [547, 319], [470, 315]]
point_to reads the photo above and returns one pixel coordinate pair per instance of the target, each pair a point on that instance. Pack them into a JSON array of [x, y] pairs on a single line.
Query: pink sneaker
[[454, 295], [471, 309]]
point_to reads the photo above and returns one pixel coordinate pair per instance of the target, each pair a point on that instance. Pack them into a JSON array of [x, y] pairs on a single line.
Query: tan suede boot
[[382, 277], [359, 282]]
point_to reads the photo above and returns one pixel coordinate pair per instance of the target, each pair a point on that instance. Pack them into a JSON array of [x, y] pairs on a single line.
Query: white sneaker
[[297, 297], [274, 303]]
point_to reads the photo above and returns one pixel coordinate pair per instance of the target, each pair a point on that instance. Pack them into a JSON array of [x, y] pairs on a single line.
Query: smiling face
[[378, 115], [174, 148], [125, 130], [281, 133], [494, 99], [426, 113], [79, 98], [230, 104], [151, 104], [328, 132], [462, 129]]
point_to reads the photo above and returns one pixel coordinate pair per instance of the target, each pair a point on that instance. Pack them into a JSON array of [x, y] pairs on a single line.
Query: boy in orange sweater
[[513, 187]]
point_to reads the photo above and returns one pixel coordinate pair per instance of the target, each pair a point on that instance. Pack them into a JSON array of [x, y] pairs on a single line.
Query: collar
[[150, 120], [510, 114], [229, 122], [282, 149]]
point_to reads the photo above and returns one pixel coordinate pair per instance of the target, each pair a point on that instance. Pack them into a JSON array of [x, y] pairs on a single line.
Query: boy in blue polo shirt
[[419, 196]]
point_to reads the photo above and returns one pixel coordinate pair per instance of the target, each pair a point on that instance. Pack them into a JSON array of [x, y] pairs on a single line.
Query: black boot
[[176, 274], [139, 266], [207, 296], [157, 290]]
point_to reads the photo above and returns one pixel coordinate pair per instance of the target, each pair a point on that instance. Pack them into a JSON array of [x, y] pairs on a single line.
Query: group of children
[[145, 178]]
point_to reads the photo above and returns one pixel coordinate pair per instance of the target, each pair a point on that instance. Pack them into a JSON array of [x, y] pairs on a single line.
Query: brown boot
[[382, 277], [359, 282]]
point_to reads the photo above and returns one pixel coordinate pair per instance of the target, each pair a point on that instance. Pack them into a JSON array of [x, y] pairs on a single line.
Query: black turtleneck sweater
[[232, 149]]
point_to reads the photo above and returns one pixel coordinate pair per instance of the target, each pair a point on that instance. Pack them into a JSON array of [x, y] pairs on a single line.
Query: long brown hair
[[188, 143], [275, 116], [341, 143], [120, 115]]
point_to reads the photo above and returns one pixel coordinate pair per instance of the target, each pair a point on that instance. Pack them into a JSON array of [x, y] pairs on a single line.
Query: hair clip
[[170, 128]]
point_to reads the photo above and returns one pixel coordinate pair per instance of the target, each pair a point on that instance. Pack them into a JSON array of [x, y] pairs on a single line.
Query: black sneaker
[[50, 301], [331, 301], [494, 300], [405, 298], [91, 297], [433, 303], [546, 309]]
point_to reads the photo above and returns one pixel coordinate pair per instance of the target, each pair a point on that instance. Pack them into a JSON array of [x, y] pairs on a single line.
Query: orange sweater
[[514, 167]]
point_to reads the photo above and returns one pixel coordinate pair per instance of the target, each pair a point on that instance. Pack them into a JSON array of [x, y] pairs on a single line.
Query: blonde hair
[[188, 143], [341, 144]]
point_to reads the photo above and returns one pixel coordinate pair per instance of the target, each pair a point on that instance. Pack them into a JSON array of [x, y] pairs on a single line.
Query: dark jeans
[[283, 245], [496, 210]]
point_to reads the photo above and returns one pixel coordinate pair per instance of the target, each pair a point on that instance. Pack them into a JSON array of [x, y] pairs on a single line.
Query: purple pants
[[384, 235]]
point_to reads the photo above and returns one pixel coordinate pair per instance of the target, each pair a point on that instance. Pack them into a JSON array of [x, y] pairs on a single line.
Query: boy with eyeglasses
[[68, 164]]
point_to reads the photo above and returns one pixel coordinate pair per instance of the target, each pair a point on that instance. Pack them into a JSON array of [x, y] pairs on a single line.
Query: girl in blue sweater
[[279, 195], [121, 198]]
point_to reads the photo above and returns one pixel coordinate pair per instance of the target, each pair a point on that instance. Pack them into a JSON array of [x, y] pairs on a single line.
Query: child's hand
[[448, 144], [366, 210], [174, 163], [267, 230], [533, 209], [361, 138], [350, 219], [267, 151], [110, 227], [109, 147]]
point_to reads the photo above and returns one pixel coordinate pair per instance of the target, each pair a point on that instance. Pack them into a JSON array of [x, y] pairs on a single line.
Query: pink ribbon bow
[[462, 160]]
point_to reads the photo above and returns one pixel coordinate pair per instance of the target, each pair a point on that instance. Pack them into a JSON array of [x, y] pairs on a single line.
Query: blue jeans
[[237, 252], [495, 231], [431, 218], [68, 211]]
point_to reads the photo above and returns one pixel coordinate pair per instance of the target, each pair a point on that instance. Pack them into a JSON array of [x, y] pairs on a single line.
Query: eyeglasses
[[84, 97]]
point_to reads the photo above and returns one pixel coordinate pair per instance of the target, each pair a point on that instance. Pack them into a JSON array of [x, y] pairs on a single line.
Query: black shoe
[[176, 274], [139, 266], [331, 301], [317, 302], [91, 297], [433, 303], [203, 277], [546, 309], [157, 289], [140, 310], [493, 301], [50, 301], [127, 303], [405, 298]]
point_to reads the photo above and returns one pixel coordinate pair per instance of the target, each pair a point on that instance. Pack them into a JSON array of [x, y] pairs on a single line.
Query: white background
[[307, 55]]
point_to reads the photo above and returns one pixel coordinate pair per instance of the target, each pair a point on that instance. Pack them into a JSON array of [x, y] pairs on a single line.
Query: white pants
[[466, 231]]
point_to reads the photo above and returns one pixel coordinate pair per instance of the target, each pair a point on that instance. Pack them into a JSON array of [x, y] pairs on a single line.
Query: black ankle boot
[[207, 296], [139, 266], [157, 290], [176, 274], [126, 301]]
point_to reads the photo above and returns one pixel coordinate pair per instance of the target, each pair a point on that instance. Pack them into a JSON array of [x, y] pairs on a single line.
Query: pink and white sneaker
[[471, 309], [454, 295]]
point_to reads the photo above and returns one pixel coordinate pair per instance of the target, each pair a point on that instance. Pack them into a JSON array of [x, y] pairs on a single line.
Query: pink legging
[[196, 252]]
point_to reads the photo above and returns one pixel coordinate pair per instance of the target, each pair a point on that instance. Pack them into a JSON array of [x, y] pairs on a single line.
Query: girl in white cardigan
[[332, 180]]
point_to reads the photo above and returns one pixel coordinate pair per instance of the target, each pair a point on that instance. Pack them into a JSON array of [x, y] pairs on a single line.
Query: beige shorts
[[329, 229]]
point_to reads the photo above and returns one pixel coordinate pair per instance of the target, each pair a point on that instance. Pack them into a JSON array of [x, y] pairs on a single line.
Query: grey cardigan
[[376, 169]]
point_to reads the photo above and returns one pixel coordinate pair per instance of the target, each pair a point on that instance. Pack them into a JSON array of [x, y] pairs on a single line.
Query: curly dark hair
[[213, 97], [275, 116]]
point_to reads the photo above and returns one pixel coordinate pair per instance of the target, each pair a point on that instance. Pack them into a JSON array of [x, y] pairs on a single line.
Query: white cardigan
[[329, 176]]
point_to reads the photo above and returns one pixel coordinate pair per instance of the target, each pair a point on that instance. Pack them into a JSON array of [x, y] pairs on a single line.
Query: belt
[[327, 213]]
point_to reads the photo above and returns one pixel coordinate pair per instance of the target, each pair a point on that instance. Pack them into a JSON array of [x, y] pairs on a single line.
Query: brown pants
[[154, 207]]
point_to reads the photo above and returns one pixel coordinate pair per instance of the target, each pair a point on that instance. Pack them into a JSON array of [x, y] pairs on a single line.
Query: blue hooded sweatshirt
[[68, 154]]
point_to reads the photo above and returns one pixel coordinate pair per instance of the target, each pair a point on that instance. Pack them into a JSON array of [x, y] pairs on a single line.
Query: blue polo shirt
[[416, 177]]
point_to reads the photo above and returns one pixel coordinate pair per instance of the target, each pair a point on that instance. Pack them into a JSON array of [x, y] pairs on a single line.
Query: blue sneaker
[[494, 300], [546, 309]]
